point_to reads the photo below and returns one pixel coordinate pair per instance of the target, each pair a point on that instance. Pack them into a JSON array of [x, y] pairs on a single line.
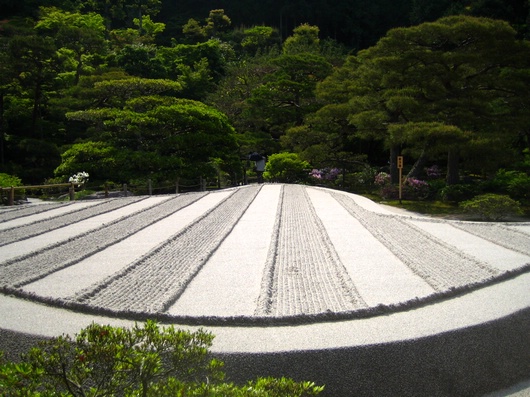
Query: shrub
[[415, 189], [412, 188], [7, 180], [286, 167], [459, 192], [138, 361], [491, 207]]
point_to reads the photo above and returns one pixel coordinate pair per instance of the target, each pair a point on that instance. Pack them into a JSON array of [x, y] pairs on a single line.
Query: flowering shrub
[[382, 179], [412, 189], [415, 188], [325, 174], [79, 178], [433, 172]]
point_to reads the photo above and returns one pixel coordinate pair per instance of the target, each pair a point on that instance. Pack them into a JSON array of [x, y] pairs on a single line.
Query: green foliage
[[259, 38], [9, 180], [287, 93], [162, 137], [516, 183], [143, 360], [101, 160], [194, 32], [304, 40], [436, 87], [286, 167], [491, 207], [140, 60], [459, 192]]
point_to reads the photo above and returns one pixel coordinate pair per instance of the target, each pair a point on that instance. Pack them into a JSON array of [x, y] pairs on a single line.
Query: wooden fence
[[201, 185], [11, 190]]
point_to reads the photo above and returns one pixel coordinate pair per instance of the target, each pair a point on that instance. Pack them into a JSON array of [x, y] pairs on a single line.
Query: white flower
[[80, 177]]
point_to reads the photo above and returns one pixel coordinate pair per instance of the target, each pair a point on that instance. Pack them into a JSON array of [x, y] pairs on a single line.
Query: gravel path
[[491, 252], [9, 213], [45, 241], [270, 270], [381, 279]]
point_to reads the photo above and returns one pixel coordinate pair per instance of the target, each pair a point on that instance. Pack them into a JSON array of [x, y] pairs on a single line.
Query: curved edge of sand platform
[[466, 346]]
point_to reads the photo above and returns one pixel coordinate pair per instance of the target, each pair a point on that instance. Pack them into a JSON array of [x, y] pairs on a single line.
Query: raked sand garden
[[293, 280]]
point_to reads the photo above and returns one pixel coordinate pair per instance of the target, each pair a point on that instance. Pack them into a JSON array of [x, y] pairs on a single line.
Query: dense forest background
[[130, 90]]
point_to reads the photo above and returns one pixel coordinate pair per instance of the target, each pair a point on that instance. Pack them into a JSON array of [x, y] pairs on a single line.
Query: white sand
[[95, 268], [485, 251], [229, 283], [47, 214], [39, 242], [380, 277]]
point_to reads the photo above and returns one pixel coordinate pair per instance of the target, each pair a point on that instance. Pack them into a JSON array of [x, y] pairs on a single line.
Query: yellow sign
[[400, 162]]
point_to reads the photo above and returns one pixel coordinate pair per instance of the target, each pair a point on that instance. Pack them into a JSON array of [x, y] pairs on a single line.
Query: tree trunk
[[452, 177], [418, 166]]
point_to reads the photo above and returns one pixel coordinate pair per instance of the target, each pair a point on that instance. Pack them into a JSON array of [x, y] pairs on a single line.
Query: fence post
[[125, 189], [71, 190], [177, 185], [106, 190], [11, 196], [150, 187]]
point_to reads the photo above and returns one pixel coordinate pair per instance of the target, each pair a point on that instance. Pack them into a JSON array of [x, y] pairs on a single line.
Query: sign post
[[400, 168]]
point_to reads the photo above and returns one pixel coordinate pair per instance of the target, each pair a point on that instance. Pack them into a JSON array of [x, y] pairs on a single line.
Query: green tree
[[198, 67], [194, 32], [457, 71], [169, 137], [304, 40], [217, 23], [288, 92], [81, 35], [259, 38]]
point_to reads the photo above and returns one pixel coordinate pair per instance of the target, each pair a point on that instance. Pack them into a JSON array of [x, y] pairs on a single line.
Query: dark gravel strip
[[154, 283], [441, 265], [498, 234], [307, 276], [28, 268], [8, 236], [28, 210]]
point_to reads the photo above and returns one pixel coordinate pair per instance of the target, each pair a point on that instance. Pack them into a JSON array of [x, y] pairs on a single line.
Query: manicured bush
[[491, 207], [287, 168], [138, 361]]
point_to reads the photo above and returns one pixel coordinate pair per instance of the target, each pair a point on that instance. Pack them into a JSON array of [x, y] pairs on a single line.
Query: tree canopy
[[164, 90]]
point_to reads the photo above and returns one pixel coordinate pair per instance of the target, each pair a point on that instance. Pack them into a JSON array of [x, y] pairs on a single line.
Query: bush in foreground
[[140, 361], [491, 207]]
